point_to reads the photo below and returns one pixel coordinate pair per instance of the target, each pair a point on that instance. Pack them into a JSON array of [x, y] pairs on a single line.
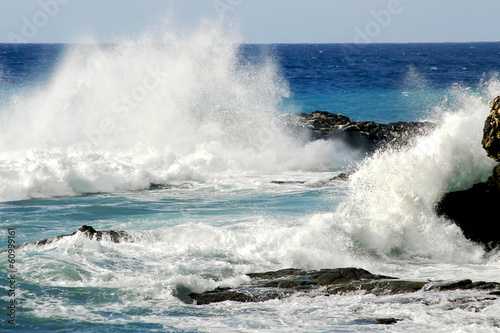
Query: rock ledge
[[322, 125], [283, 283]]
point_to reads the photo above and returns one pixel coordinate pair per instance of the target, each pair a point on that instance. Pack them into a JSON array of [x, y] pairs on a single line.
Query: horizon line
[[267, 43]]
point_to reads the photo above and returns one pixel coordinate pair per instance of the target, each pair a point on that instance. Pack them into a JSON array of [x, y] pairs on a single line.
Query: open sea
[[178, 143]]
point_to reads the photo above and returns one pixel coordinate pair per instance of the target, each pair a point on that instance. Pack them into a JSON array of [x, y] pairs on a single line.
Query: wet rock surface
[[283, 283]]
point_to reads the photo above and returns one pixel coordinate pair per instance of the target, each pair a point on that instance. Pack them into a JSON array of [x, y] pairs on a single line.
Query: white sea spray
[[184, 106]]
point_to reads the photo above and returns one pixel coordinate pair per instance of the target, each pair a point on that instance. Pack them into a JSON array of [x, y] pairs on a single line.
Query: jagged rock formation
[[491, 131], [359, 134], [283, 283], [474, 210]]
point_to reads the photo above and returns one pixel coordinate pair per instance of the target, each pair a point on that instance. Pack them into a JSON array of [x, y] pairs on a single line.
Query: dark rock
[[88, 231], [283, 283], [255, 295], [289, 283], [344, 176], [277, 274], [287, 182], [321, 277], [385, 287], [473, 211], [366, 135], [462, 285], [387, 321], [109, 235], [154, 186], [453, 285], [341, 275]]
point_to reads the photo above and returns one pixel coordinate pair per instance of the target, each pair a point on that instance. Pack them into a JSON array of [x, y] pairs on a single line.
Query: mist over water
[[119, 117]]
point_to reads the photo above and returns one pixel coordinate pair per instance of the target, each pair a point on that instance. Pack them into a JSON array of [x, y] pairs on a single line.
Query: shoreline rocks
[[339, 281]]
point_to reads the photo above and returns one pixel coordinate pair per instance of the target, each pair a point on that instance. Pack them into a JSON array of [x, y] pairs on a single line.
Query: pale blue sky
[[260, 21]]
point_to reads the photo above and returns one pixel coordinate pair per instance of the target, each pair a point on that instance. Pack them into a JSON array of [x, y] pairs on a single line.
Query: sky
[[259, 21]]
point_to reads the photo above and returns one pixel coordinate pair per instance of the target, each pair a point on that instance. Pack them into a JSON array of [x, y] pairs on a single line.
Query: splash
[[119, 117], [390, 206]]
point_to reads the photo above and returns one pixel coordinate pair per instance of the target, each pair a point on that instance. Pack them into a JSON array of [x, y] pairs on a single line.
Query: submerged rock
[[387, 321], [283, 283], [287, 182]]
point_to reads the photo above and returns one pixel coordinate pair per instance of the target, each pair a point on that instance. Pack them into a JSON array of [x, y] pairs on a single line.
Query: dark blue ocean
[[85, 130]]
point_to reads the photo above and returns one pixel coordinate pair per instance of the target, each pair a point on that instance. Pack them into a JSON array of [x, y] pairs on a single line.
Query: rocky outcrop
[[491, 131], [89, 232], [474, 210], [359, 134], [491, 142], [283, 283]]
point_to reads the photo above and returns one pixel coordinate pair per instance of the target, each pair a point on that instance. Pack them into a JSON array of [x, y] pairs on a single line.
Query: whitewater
[[177, 137]]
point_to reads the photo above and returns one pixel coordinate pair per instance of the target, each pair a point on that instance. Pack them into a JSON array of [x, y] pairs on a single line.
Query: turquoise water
[[181, 150]]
